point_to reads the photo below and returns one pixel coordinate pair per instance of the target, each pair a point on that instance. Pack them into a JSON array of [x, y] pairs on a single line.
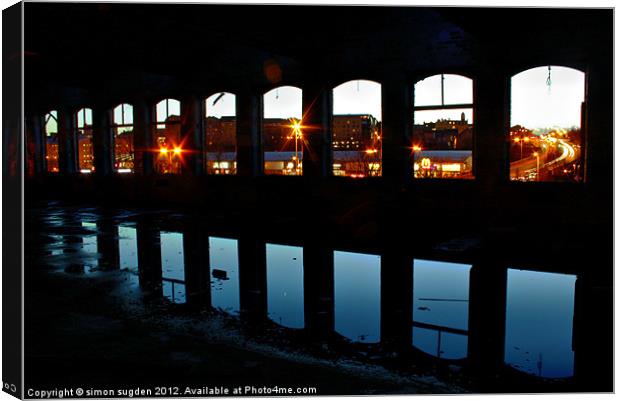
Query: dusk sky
[[533, 104]]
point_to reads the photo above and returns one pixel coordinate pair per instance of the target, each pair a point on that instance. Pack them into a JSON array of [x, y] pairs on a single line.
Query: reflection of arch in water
[[285, 285], [441, 308], [357, 296], [173, 266], [224, 274], [539, 323]]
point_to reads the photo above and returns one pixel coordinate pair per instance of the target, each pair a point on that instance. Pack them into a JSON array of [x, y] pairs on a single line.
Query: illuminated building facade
[[355, 131]]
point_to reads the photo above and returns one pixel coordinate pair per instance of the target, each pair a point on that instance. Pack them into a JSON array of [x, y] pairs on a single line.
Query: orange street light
[[177, 151], [163, 151]]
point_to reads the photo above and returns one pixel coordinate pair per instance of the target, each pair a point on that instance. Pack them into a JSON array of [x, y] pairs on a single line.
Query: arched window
[[545, 124], [84, 134], [221, 133], [356, 129], [51, 141], [443, 126], [167, 137], [122, 128], [283, 135]]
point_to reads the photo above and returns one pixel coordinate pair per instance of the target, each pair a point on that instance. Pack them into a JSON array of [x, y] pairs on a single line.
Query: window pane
[[427, 92], [356, 128], [442, 144], [118, 114], [128, 113], [221, 134], [457, 89], [51, 141], [174, 107], [80, 118], [545, 135], [283, 135], [89, 116], [160, 111], [167, 138], [85, 141]]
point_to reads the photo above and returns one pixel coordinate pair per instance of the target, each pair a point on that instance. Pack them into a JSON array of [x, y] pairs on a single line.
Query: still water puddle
[[285, 285], [539, 306], [224, 273], [440, 308], [539, 323], [357, 296]]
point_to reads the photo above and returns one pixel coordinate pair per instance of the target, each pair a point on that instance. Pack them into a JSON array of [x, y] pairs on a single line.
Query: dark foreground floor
[[94, 323]]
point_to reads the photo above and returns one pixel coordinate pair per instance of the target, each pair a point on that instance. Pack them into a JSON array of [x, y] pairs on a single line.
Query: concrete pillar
[[491, 125], [397, 111], [253, 278], [487, 317], [396, 300], [67, 142], [103, 142], [149, 255], [599, 124], [192, 134], [35, 130], [317, 119], [249, 138], [196, 260], [143, 137], [319, 288], [593, 340], [107, 244]]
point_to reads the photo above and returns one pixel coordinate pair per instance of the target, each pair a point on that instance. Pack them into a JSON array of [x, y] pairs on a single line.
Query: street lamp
[[296, 125], [518, 140], [537, 164]]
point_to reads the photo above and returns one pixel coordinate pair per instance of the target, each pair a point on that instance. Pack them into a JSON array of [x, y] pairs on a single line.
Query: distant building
[[85, 150], [355, 131], [444, 134], [51, 153], [123, 151], [443, 164]]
